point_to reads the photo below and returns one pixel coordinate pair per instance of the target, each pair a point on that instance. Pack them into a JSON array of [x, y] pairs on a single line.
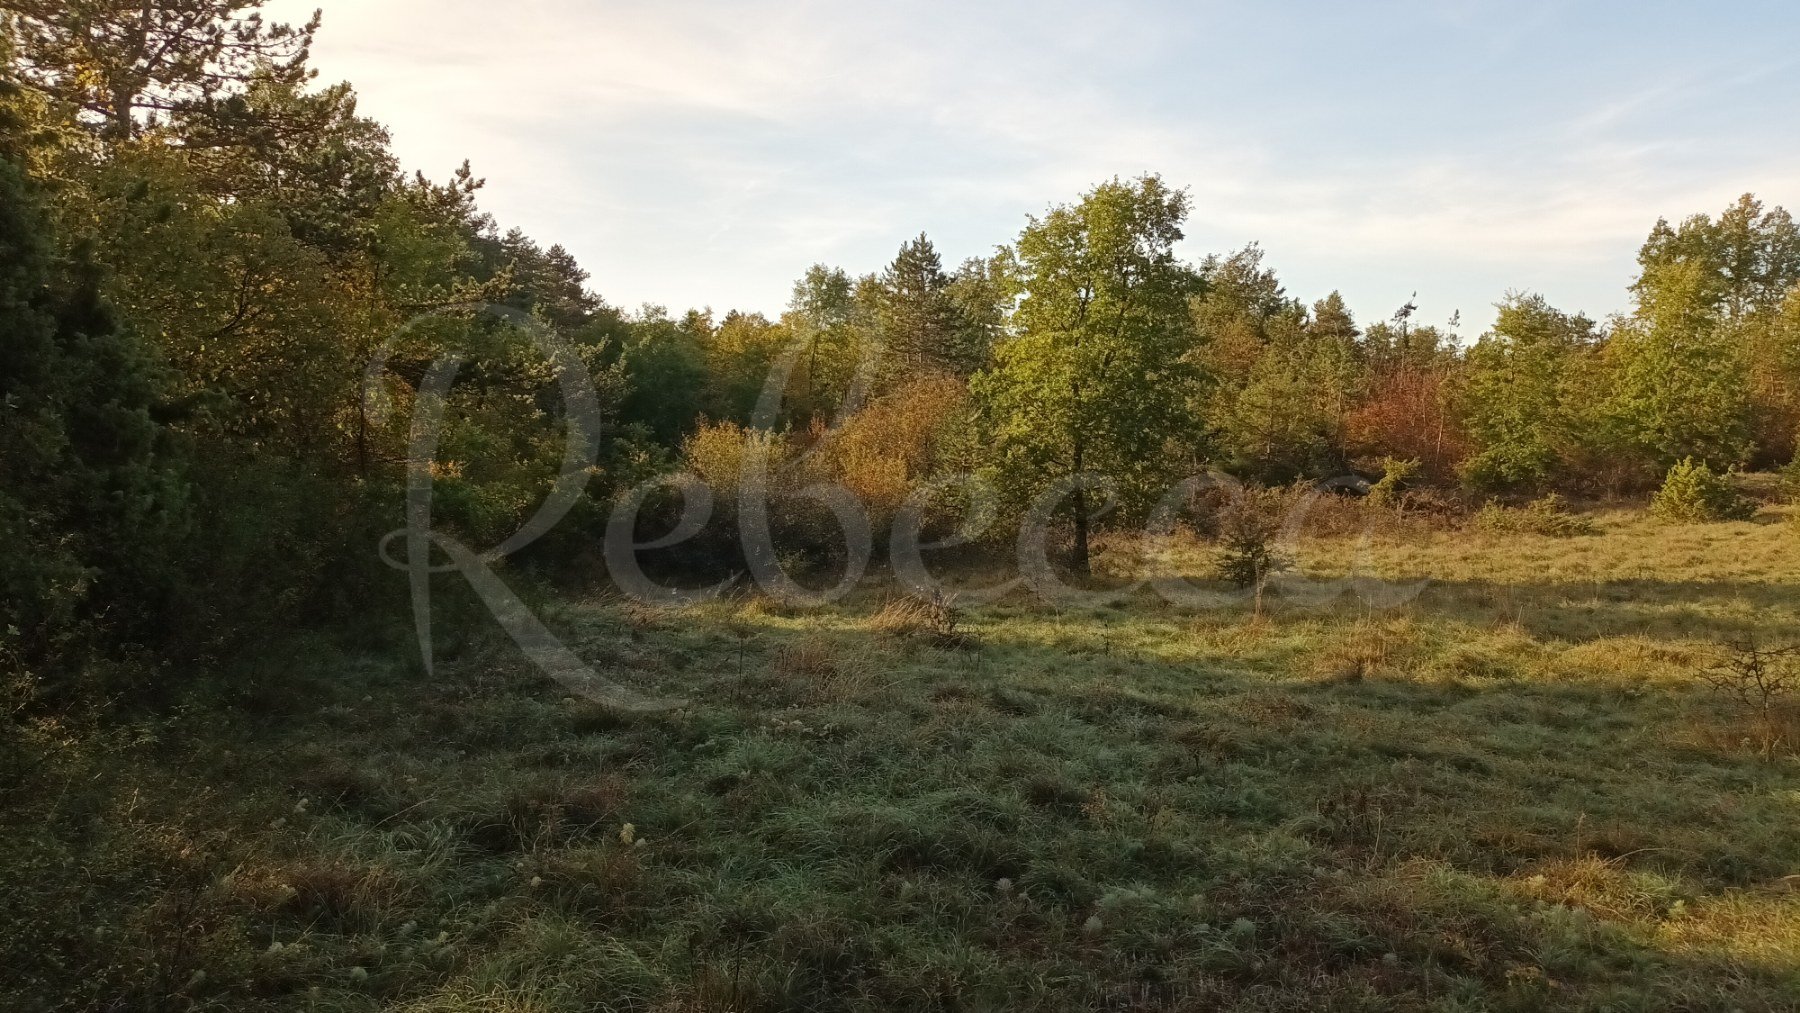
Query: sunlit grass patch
[[1511, 792]]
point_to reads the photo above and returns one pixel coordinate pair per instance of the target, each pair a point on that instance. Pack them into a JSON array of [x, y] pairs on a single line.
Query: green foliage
[[1396, 474], [921, 323], [741, 353], [1683, 367], [1249, 529], [1279, 387], [1523, 399], [1096, 379], [129, 65], [1706, 271], [90, 498], [1693, 493], [1548, 515], [1677, 393], [1283, 422]]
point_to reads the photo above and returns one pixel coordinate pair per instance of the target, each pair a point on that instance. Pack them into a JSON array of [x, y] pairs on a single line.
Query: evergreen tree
[[89, 498], [126, 63], [922, 326], [1521, 396]]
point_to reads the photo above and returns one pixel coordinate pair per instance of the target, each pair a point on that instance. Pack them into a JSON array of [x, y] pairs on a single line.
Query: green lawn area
[[1512, 793]]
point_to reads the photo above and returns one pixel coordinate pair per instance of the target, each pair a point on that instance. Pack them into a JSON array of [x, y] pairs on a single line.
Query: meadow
[[1524, 756], [1516, 791]]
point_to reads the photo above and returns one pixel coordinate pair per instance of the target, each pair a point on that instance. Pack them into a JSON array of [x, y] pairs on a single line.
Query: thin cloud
[[705, 153]]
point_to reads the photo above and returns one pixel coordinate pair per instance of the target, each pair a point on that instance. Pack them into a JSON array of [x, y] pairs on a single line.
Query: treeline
[[202, 250]]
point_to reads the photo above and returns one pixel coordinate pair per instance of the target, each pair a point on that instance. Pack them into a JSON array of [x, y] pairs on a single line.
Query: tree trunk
[[1079, 560], [123, 127]]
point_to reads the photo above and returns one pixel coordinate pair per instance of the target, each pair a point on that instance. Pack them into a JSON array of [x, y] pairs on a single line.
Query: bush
[[804, 534], [1790, 476], [1248, 528], [935, 618], [1693, 493], [1395, 476], [885, 451], [1547, 516]]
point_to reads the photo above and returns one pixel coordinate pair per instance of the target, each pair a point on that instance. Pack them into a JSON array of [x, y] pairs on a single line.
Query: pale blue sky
[[696, 153]]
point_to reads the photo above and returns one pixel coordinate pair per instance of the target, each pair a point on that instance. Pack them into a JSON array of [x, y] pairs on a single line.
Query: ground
[[1513, 792]]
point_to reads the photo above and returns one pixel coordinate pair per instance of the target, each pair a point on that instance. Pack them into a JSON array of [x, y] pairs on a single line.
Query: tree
[[1679, 366], [1282, 382], [1095, 380], [921, 323], [125, 63], [307, 155], [1774, 351], [823, 308], [1338, 363], [90, 497], [665, 363], [548, 283], [1333, 323], [1408, 414], [1233, 314], [1285, 419], [1676, 394], [1707, 272], [984, 290], [1520, 401], [740, 355]]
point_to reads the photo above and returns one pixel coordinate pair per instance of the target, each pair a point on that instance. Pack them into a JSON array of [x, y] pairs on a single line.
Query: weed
[[1760, 681], [934, 617], [1547, 516]]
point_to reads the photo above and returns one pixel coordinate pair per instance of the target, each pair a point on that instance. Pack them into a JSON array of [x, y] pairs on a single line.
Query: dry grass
[[1511, 792]]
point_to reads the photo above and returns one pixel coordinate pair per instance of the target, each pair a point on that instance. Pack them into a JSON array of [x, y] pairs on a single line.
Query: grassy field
[[1515, 792]]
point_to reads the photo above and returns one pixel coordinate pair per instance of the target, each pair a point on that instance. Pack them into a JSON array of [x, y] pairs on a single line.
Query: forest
[[223, 301]]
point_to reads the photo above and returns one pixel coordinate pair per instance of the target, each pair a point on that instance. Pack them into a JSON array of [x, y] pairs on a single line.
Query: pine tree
[[1521, 405], [124, 62], [88, 500], [922, 326]]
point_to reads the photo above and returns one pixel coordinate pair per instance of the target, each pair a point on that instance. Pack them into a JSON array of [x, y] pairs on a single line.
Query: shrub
[[1408, 413], [1760, 680], [1396, 474], [1547, 516], [1693, 493], [935, 618], [886, 450], [1248, 528], [717, 453], [727, 458]]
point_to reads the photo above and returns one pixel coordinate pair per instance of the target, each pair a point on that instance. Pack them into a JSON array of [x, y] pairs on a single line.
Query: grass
[[1513, 792]]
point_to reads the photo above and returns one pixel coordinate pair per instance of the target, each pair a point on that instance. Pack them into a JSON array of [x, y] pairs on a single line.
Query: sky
[[697, 154]]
